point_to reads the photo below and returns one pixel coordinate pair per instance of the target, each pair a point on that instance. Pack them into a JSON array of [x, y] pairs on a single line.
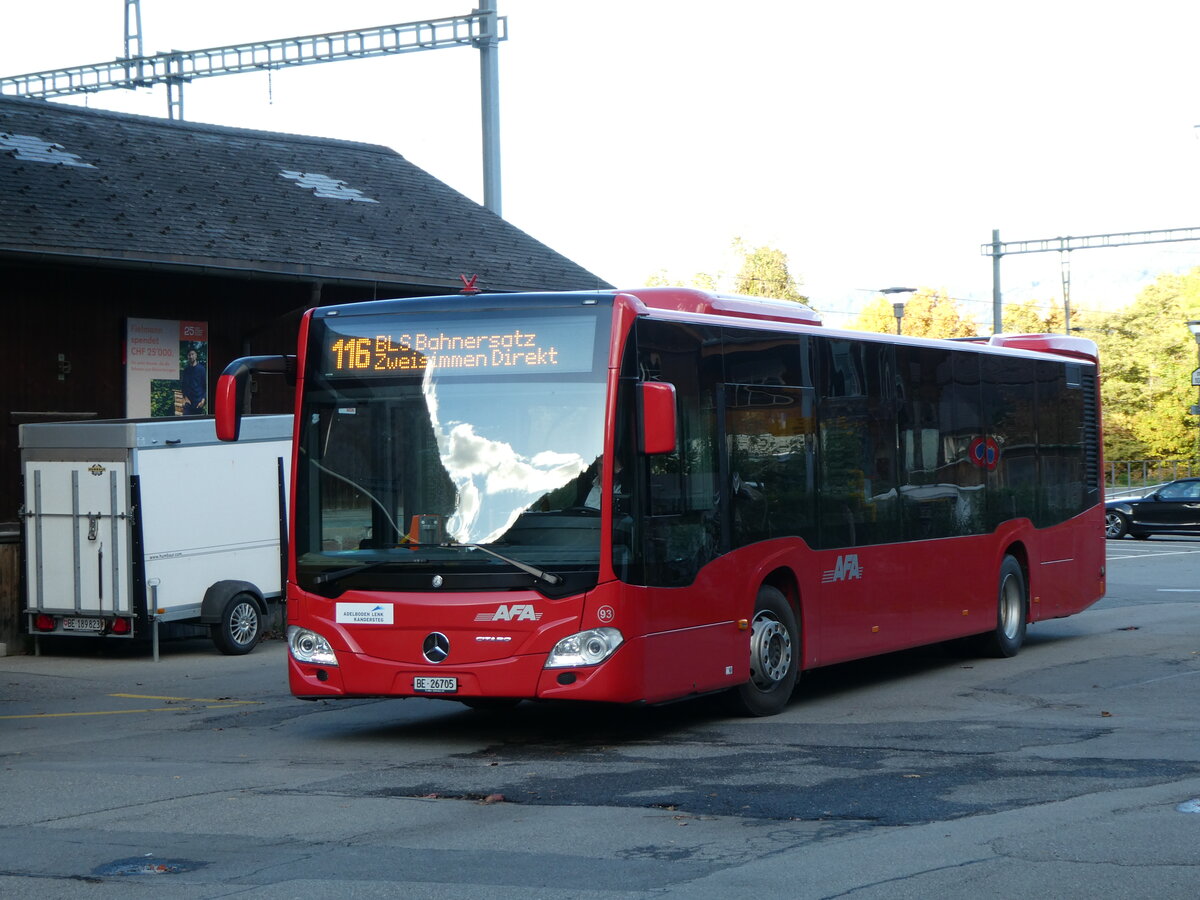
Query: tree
[[927, 313], [877, 315], [764, 273], [701, 280], [1034, 317], [1146, 359]]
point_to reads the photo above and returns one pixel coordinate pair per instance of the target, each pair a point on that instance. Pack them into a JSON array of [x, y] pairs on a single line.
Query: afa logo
[[517, 612], [847, 568]]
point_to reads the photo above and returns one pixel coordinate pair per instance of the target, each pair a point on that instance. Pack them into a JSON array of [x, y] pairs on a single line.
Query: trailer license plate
[[435, 685], [83, 624]]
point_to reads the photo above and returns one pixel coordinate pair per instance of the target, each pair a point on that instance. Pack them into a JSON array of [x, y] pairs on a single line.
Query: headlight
[[309, 647], [587, 648]]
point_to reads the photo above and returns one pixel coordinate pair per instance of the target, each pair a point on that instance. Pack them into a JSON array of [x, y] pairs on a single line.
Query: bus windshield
[[422, 465]]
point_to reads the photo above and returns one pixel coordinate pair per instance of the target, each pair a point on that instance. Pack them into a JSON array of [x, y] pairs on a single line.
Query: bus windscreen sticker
[[509, 346]]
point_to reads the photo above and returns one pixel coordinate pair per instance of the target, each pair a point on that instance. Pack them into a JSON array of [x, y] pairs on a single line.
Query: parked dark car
[[1173, 508]]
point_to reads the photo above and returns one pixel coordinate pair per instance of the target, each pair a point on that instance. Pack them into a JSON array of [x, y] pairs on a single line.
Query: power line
[[482, 28], [997, 248]]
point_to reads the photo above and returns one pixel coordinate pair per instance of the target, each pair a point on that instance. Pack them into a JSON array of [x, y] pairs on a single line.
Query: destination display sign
[[526, 345]]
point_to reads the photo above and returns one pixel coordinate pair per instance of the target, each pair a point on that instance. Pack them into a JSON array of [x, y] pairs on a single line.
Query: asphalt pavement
[[1070, 771]]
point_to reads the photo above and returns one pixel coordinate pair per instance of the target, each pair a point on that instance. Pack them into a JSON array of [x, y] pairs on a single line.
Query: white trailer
[[133, 523]]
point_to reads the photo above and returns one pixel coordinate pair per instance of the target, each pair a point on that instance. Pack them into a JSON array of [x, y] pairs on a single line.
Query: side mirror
[[656, 417], [231, 389]]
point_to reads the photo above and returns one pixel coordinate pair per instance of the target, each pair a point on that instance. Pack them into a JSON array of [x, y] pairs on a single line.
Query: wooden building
[[108, 219]]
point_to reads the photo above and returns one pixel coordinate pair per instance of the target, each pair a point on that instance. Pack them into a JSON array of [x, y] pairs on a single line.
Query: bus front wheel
[[774, 657], [1011, 613]]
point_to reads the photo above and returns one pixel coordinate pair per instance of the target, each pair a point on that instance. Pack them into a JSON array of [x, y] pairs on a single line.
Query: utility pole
[[133, 29], [489, 103], [997, 305]]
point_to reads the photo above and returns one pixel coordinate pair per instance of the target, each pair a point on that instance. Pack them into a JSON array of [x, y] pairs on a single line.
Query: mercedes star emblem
[[436, 647]]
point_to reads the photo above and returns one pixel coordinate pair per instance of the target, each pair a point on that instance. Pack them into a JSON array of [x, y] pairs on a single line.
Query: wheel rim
[[770, 651], [1011, 607], [243, 623], [1112, 524]]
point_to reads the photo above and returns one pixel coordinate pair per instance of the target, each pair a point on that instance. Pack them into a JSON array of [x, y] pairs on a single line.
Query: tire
[[240, 627], [1116, 526], [1012, 613], [774, 657]]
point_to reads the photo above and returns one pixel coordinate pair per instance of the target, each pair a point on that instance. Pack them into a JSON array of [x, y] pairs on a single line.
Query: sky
[[877, 143]]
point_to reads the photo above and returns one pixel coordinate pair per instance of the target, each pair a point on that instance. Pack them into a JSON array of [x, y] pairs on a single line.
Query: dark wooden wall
[[80, 313], [10, 608]]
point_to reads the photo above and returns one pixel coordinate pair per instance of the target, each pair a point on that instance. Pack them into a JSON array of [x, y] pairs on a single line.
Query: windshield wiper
[[329, 577], [540, 575]]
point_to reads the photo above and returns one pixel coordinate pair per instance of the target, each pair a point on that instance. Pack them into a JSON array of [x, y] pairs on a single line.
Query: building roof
[[93, 186]]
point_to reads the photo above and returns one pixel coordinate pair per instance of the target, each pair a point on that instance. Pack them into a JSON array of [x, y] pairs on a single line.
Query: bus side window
[[1010, 407], [681, 527], [1060, 444], [770, 436], [941, 489], [859, 502]]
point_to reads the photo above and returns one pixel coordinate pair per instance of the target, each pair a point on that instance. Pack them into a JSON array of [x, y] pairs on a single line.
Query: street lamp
[[898, 305]]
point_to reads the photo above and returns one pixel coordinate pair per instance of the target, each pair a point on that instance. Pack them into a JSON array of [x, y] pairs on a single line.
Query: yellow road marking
[[208, 703], [187, 699]]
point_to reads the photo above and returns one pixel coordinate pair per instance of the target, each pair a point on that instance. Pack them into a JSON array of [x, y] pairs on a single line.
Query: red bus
[[641, 496]]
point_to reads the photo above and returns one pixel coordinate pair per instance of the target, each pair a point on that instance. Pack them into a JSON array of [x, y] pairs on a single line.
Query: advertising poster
[[166, 368]]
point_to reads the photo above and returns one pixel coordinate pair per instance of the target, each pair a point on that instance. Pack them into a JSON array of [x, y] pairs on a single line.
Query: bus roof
[[1060, 344], [694, 300]]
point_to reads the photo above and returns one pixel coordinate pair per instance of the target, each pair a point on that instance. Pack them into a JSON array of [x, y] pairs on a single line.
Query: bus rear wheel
[[774, 657], [1011, 614]]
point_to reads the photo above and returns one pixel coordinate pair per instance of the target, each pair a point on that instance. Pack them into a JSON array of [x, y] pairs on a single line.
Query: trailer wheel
[[774, 657], [240, 626]]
